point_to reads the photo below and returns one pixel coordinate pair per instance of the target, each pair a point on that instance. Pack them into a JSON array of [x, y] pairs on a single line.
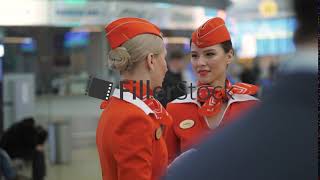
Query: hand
[[40, 147]]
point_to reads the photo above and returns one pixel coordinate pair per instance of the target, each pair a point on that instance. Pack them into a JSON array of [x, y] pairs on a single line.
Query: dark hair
[[307, 21], [227, 46], [42, 135], [28, 122]]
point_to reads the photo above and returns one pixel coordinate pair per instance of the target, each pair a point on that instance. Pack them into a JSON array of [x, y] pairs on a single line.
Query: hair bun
[[119, 59]]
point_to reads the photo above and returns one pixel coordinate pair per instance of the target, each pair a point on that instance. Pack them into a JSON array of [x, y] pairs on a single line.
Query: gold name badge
[[158, 133], [186, 124]]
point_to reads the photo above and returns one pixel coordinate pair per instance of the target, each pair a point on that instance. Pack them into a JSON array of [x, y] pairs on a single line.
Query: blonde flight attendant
[[216, 101], [130, 133]]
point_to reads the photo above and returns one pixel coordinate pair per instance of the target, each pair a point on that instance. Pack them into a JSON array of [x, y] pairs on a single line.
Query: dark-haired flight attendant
[[130, 133], [216, 102]]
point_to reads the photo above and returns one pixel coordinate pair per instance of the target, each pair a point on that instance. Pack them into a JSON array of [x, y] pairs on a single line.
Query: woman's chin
[[204, 80]]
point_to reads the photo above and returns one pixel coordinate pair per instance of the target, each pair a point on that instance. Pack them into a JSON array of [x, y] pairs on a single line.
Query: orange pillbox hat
[[123, 29], [213, 32]]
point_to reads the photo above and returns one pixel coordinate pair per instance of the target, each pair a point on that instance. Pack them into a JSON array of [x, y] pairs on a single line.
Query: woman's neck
[[219, 82], [136, 78], [136, 74]]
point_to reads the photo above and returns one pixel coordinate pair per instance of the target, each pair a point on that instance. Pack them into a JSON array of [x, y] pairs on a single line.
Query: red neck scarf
[[214, 97], [137, 88]]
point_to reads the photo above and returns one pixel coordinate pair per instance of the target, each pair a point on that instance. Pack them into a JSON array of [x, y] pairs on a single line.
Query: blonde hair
[[125, 57]]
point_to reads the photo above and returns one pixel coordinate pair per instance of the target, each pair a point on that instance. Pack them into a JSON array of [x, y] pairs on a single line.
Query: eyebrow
[[205, 51], [209, 50]]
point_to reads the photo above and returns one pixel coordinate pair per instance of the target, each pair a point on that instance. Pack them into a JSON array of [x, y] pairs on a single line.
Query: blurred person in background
[[172, 84], [216, 102], [24, 140], [266, 67], [233, 72], [130, 131], [249, 73], [7, 170], [278, 140]]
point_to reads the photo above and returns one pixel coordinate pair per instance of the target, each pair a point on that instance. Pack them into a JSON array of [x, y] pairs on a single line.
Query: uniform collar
[[128, 97], [236, 98]]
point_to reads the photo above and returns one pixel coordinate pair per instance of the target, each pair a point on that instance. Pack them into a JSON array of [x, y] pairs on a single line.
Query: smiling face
[[210, 63]]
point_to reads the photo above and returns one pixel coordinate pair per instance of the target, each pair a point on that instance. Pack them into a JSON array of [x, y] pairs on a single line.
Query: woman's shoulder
[[122, 108]]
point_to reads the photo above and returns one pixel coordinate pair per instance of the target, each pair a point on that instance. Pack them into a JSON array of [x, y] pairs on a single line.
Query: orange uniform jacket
[[182, 136], [128, 140]]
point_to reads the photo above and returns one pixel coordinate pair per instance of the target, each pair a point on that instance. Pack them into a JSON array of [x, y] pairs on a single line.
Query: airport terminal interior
[[50, 48]]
